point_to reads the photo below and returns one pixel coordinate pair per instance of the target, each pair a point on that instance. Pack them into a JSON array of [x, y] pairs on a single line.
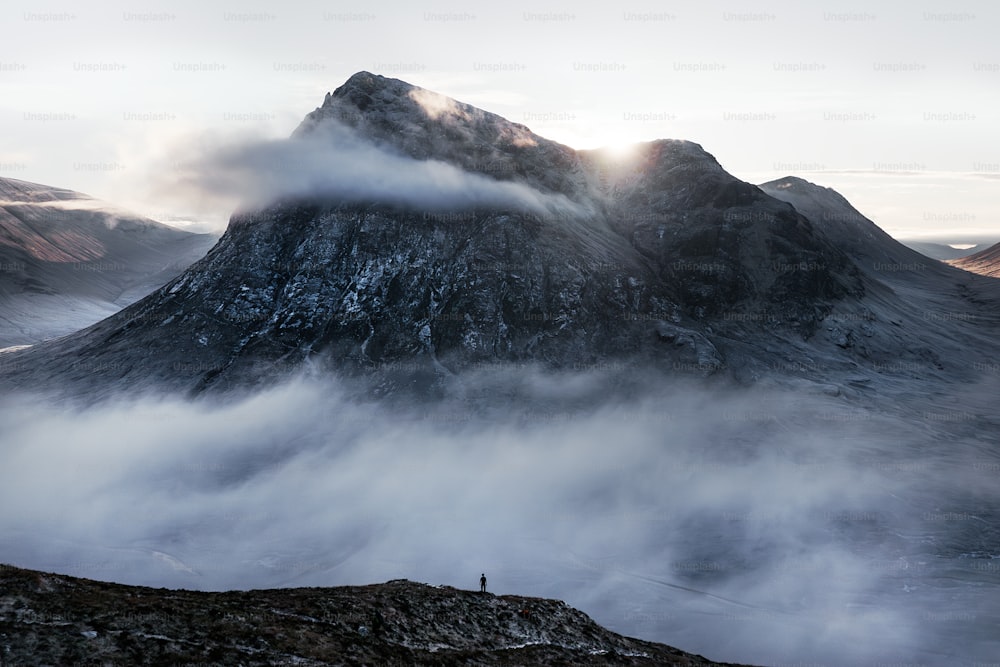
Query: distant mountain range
[[449, 238], [68, 260], [942, 251]]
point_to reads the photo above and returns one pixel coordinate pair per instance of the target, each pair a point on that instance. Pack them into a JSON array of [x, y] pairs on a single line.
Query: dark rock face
[[724, 243], [663, 241], [54, 619]]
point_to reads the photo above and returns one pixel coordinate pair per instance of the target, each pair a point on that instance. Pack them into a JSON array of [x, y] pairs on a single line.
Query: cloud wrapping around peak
[[335, 163]]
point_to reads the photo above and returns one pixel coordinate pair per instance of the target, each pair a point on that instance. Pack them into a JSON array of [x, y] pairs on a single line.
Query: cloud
[[335, 163], [436, 105], [759, 527], [111, 214]]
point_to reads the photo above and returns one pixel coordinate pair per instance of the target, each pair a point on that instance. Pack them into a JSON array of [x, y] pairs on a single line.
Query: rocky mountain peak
[[426, 125], [796, 187], [663, 257], [365, 90]]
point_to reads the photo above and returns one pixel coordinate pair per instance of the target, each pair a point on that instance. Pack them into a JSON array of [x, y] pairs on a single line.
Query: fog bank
[[764, 527]]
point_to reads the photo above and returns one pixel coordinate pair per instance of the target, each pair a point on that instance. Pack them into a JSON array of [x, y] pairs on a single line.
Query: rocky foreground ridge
[[50, 619]]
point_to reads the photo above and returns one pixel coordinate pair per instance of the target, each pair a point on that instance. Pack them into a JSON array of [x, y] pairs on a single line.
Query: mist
[[759, 527], [334, 162]]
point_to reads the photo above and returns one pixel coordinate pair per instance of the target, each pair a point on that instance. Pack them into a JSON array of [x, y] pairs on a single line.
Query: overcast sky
[[896, 105]]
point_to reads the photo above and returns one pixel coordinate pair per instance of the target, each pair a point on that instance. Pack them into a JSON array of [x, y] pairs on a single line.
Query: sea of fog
[[762, 526]]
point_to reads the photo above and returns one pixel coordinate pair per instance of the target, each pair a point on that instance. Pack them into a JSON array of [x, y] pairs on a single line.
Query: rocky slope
[[568, 259], [633, 263], [68, 260], [917, 313], [861, 238], [49, 619], [985, 262]]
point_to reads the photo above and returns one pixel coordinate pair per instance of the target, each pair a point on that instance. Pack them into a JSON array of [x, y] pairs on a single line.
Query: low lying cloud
[[110, 212], [760, 527], [336, 163]]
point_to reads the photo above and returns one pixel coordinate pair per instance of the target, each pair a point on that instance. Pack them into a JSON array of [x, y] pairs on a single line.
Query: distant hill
[[861, 238], [985, 262], [68, 260], [942, 251]]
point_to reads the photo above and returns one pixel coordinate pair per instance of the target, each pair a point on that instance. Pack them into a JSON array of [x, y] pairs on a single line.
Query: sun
[[615, 143], [616, 148], [619, 149]]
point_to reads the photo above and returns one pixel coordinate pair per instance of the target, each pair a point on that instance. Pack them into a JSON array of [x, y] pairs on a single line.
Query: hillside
[[985, 262], [68, 260], [59, 620]]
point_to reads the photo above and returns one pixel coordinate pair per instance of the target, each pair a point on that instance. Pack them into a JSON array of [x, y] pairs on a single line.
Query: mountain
[[737, 418], [54, 619], [473, 241], [905, 288], [68, 260], [985, 262], [861, 238]]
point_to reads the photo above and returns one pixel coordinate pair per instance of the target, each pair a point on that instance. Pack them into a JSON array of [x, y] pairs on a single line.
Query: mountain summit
[[425, 125], [449, 237]]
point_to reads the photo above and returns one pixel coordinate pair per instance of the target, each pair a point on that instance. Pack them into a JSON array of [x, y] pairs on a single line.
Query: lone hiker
[[482, 583]]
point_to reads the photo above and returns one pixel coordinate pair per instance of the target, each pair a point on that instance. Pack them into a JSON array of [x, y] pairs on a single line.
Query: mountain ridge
[[498, 145], [661, 260], [53, 618]]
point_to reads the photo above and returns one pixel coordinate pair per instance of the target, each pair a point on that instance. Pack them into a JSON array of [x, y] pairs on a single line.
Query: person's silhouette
[[482, 583]]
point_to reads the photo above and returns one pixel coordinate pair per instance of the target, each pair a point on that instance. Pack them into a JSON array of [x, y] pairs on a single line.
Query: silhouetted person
[[482, 583]]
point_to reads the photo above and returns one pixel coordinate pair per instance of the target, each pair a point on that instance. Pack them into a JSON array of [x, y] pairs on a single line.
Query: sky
[[895, 105]]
